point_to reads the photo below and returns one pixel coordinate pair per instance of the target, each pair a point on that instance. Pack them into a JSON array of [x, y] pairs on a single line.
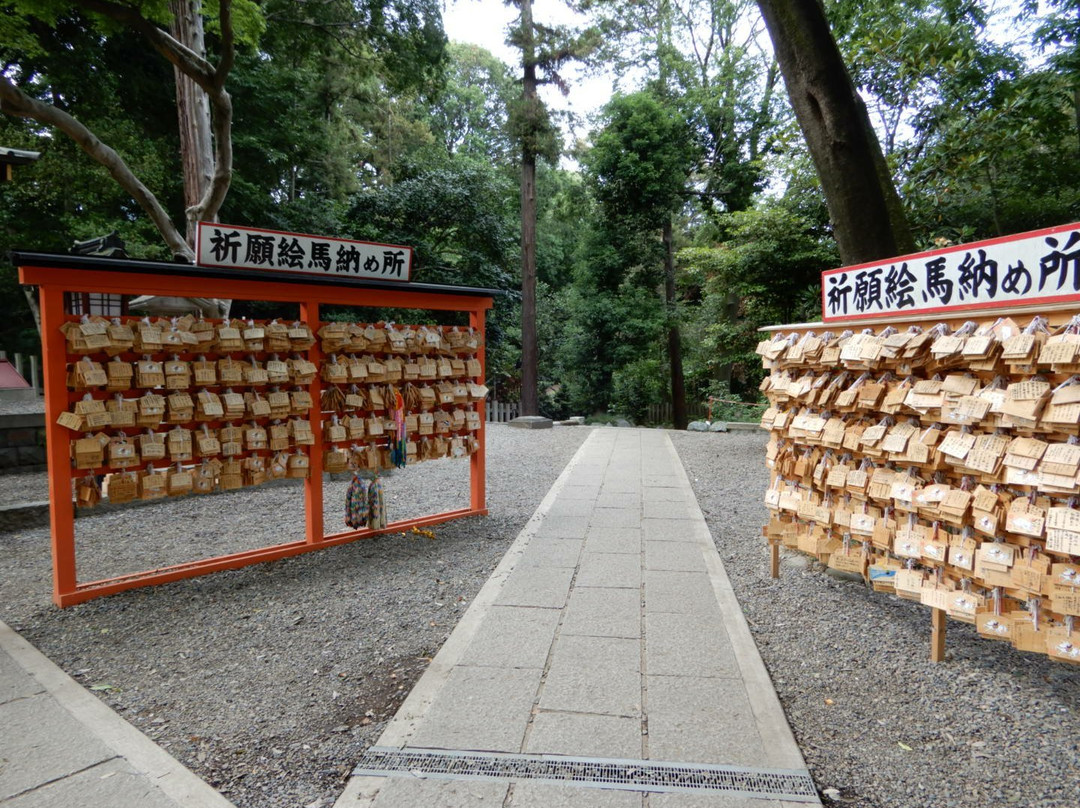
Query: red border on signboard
[[198, 245], [989, 304]]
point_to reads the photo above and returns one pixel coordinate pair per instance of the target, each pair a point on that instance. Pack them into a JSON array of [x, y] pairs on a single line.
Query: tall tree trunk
[[193, 112], [31, 293], [678, 386], [868, 219], [529, 361], [1076, 110]]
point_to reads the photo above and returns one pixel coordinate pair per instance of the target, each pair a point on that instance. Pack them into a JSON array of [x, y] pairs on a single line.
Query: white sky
[[484, 23]]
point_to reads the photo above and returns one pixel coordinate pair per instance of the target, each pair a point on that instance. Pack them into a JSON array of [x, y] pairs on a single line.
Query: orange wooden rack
[[56, 274]]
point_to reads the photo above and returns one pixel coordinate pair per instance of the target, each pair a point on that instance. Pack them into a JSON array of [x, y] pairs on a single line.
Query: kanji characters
[[393, 262], [978, 276], [348, 259], [319, 256], [938, 286], [242, 247], [223, 246], [899, 285], [868, 289], [260, 250], [290, 253], [1061, 262], [837, 294]]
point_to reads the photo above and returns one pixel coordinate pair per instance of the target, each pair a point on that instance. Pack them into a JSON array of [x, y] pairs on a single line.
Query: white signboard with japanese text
[[1042, 266], [236, 247]]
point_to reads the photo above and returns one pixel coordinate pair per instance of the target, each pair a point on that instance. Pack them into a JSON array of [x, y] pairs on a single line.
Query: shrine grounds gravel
[[876, 720], [269, 682]]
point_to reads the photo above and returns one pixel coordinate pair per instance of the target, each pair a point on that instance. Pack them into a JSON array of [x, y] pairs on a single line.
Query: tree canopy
[[696, 207]]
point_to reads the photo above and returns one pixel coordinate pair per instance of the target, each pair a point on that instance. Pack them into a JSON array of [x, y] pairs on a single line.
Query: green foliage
[[764, 270], [722, 405], [329, 104], [982, 138], [1005, 166], [460, 223], [586, 335], [468, 113], [545, 50], [1057, 32], [563, 204], [355, 118], [65, 197], [456, 218], [531, 127], [640, 160], [635, 386], [708, 58], [610, 316]]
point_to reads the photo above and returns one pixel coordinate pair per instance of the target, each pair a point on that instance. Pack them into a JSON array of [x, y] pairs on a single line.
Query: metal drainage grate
[[794, 785]]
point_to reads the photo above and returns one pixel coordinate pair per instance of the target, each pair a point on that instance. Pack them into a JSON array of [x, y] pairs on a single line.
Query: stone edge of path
[[175, 781], [776, 735], [360, 791]]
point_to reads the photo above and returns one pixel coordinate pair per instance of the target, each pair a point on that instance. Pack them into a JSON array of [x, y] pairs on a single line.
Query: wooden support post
[[61, 505], [477, 464], [937, 635], [314, 529], [774, 559]]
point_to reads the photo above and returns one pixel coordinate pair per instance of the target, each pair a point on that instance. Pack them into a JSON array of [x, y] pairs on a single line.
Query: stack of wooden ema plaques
[[176, 406], [942, 465]]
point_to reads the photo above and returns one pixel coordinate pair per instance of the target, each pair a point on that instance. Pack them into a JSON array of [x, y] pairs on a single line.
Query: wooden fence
[[29, 367], [662, 413], [499, 412]]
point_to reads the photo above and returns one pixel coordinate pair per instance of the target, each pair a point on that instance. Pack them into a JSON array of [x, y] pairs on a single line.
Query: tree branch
[[209, 78], [15, 102], [228, 45], [186, 60], [210, 204], [221, 122]]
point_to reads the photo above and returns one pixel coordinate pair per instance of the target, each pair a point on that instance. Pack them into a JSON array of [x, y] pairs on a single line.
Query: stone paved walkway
[[609, 630], [60, 746]]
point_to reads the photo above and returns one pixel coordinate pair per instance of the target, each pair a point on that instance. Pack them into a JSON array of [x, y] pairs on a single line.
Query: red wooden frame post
[[477, 463], [313, 485], [61, 506], [55, 281]]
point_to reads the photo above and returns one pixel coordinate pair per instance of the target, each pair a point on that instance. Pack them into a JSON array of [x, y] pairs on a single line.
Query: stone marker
[[532, 422]]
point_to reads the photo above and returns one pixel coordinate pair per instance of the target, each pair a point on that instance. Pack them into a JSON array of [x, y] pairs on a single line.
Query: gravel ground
[[21, 405], [24, 486], [876, 720], [269, 682]]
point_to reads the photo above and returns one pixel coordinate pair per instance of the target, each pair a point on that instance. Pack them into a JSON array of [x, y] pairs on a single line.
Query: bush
[[635, 386], [722, 405]]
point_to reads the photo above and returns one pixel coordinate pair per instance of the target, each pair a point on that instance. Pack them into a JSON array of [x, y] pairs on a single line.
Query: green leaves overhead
[[456, 218], [982, 137], [468, 113], [356, 117], [641, 159]]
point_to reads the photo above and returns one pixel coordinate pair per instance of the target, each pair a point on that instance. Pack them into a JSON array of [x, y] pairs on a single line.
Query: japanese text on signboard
[[1032, 267], [245, 248]]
